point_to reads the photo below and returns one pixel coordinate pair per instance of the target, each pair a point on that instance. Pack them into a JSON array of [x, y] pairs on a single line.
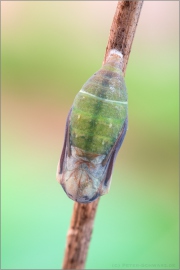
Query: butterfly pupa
[[95, 129]]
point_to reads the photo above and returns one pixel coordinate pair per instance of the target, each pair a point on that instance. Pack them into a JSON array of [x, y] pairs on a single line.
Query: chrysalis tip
[[114, 51]]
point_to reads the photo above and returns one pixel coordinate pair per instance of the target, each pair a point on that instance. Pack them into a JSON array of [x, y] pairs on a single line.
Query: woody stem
[[79, 234]]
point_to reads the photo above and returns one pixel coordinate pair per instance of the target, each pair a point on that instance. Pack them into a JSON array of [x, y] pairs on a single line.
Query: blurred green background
[[49, 49]]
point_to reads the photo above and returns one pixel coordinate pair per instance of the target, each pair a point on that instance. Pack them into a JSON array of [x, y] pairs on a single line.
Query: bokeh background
[[49, 49]]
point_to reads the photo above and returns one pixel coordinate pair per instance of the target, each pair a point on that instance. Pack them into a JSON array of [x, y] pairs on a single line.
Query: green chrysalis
[[95, 129]]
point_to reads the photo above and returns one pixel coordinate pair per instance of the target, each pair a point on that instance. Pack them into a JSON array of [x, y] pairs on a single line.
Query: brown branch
[[79, 234], [123, 28]]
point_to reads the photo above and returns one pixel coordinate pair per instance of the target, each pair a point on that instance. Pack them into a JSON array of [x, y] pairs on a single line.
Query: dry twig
[[79, 234]]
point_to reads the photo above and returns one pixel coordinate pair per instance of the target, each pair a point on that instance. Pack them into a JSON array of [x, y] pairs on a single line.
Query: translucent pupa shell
[[95, 129]]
